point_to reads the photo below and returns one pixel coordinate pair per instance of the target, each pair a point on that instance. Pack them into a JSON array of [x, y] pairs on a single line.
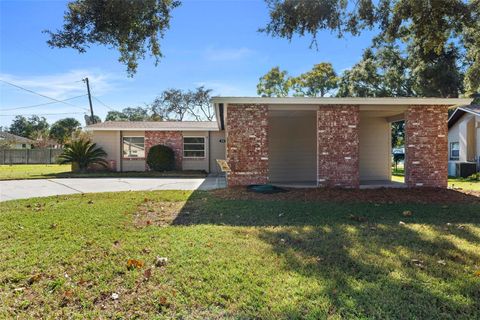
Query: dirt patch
[[382, 195], [158, 213]]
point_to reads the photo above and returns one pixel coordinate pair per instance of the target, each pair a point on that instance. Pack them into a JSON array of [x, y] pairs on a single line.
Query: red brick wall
[[338, 146], [247, 144], [172, 139], [426, 146]]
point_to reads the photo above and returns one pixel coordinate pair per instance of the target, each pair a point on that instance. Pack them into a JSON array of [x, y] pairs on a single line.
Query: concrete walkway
[[24, 189]]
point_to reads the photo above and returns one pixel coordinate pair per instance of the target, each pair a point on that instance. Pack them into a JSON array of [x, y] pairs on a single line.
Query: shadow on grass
[[369, 263]]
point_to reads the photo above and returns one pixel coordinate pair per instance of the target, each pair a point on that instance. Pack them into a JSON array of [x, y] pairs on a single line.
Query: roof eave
[[342, 101]]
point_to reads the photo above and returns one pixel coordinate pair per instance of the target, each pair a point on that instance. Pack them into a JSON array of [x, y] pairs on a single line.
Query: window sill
[[133, 158], [194, 158]]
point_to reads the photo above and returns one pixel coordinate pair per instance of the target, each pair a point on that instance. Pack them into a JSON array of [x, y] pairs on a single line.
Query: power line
[[43, 104], [41, 95], [40, 114], [98, 100]]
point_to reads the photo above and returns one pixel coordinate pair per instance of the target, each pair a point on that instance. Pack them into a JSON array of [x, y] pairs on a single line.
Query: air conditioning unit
[[465, 169]]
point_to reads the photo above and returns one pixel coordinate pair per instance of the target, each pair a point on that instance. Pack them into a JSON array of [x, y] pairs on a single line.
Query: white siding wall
[[453, 135], [375, 148], [292, 148]]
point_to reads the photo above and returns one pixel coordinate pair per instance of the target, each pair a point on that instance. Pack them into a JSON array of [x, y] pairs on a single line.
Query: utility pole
[[89, 100]]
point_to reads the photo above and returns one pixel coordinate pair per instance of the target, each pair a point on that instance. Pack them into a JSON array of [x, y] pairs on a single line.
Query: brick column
[[426, 146], [247, 144], [172, 139], [338, 146]]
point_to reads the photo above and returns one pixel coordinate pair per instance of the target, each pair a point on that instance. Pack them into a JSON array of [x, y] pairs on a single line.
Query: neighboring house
[[196, 144], [11, 141], [335, 142], [464, 141]]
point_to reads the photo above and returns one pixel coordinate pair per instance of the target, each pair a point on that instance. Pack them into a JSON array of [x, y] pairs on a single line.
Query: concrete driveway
[[23, 189]]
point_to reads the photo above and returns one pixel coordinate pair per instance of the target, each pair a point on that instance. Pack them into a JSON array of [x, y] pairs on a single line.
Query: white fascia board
[[343, 101]]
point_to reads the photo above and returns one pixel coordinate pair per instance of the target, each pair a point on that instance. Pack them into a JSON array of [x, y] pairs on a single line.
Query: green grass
[[461, 183], [32, 171], [49, 171], [237, 259]]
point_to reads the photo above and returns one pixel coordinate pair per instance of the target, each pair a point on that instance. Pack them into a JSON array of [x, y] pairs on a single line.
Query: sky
[[210, 43]]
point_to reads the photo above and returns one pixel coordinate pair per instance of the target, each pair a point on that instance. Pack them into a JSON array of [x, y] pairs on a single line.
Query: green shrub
[[474, 177], [161, 158], [82, 154]]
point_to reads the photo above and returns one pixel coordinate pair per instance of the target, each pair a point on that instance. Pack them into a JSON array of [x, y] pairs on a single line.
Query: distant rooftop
[[154, 126], [12, 137], [461, 110]]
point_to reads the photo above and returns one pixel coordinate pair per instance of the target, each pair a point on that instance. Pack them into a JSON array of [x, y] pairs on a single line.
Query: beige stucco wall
[[375, 148], [217, 149], [110, 142], [133, 164], [292, 147]]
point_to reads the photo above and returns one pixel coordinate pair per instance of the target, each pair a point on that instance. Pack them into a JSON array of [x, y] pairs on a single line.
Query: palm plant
[[83, 153]]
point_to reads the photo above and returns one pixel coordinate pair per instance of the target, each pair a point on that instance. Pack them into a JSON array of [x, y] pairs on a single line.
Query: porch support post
[[247, 144], [338, 146], [426, 146]]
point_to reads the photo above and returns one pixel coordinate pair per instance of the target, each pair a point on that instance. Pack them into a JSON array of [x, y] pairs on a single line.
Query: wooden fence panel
[[29, 156]]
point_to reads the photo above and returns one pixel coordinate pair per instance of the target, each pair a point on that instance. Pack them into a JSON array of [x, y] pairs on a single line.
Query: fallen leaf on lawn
[[115, 296], [163, 301], [53, 226], [161, 261], [133, 263], [417, 263], [358, 218], [116, 243], [401, 223], [34, 278], [442, 262], [147, 274], [146, 250], [19, 289], [477, 273], [149, 222], [68, 294], [407, 213], [90, 202]]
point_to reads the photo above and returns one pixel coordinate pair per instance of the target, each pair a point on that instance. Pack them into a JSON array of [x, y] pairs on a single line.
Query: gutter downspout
[[209, 151], [121, 151]]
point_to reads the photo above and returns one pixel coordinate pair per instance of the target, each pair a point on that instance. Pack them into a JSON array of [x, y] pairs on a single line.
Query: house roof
[[343, 101], [460, 111], [154, 126], [12, 137]]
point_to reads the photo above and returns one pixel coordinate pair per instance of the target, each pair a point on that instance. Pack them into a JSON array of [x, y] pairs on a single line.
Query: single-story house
[[13, 141], [334, 142], [464, 141]]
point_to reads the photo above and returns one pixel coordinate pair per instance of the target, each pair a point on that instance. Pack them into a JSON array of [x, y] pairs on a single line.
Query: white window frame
[[451, 149], [138, 158], [204, 147]]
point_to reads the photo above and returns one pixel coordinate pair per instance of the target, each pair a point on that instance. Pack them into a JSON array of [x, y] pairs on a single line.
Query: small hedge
[[161, 158]]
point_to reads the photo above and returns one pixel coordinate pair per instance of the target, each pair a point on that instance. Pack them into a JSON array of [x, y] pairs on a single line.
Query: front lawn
[[454, 183], [50, 171], [231, 255]]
